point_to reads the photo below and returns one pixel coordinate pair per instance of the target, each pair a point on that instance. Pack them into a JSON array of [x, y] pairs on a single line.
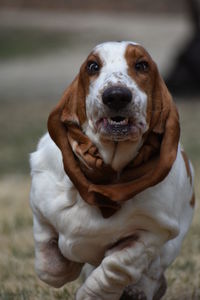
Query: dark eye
[[142, 66], [92, 67]]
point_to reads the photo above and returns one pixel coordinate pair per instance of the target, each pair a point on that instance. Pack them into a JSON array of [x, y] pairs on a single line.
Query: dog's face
[[119, 77], [117, 108]]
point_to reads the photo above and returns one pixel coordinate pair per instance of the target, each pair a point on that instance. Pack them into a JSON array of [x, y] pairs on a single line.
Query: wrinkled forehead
[[113, 54]]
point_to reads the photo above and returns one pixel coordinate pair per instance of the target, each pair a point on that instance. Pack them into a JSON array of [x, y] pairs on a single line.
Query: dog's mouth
[[119, 128]]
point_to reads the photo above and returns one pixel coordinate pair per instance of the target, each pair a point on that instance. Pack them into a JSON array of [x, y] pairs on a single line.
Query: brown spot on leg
[[52, 267], [55, 261], [187, 165], [192, 201]]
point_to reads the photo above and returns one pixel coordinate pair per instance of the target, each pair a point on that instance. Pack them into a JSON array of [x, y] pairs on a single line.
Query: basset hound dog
[[111, 184]]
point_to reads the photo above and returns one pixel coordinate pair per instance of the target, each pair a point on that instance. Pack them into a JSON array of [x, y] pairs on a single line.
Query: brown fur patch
[[72, 104], [187, 165], [144, 80]]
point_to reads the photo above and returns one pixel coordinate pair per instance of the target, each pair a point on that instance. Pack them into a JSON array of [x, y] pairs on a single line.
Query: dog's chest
[[85, 236]]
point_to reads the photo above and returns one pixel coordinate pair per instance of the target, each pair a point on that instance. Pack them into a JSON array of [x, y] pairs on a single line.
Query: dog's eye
[[142, 66], [92, 67]]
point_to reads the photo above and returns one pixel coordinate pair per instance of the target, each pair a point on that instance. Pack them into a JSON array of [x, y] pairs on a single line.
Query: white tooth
[[112, 122]]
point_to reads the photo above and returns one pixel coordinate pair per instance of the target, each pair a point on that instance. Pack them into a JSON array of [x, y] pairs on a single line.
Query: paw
[[83, 294]]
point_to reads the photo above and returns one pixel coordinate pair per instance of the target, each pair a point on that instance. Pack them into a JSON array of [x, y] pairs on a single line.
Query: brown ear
[[161, 105], [165, 125], [65, 113], [67, 106]]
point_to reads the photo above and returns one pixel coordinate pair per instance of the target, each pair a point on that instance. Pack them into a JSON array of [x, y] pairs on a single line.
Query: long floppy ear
[[164, 125], [67, 107], [66, 112], [162, 106]]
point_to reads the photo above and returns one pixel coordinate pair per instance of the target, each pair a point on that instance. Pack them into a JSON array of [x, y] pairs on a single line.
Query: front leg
[[51, 266], [121, 267]]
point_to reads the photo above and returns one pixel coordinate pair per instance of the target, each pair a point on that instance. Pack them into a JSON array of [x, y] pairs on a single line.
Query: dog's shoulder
[[51, 188]]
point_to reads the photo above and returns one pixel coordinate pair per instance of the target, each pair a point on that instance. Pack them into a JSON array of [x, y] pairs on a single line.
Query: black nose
[[117, 97]]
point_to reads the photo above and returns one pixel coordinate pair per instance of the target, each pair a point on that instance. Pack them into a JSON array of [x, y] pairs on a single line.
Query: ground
[[31, 82]]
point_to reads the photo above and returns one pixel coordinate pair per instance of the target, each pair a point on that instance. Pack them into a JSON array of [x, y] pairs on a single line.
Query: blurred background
[[42, 45]]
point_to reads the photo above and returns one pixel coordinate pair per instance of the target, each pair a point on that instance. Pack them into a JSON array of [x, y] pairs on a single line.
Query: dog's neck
[[115, 154]]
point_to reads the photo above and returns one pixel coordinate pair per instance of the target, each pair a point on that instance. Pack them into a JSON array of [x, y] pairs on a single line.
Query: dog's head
[[118, 97], [114, 90], [120, 77]]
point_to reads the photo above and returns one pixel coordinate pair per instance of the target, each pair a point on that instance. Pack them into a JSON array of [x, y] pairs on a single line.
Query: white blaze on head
[[114, 66], [113, 72]]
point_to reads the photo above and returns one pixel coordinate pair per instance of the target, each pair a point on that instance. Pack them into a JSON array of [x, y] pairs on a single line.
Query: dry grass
[[17, 277]]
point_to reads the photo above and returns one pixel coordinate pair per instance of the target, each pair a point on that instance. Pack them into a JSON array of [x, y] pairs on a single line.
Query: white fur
[[160, 215], [114, 72]]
